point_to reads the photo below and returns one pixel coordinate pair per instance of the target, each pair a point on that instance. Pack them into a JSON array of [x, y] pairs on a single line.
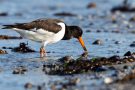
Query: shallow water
[[27, 10]]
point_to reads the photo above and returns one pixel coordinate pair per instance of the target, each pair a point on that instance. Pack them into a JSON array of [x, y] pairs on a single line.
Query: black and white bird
[[47, 31]]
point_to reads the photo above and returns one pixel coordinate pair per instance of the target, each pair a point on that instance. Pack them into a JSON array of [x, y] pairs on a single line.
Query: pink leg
[[42, 52]]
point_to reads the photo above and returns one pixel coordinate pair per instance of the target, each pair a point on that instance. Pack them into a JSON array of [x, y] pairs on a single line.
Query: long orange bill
[[82, 43]]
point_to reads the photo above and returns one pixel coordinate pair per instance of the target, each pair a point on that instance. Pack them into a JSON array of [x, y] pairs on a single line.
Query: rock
[[91, 5], [3, 51], [39, 87], [128, 53], [132, 19], [88, 30], [132, 44], [66, 59], [114, 58], [101, 69], [19, 70], [98, 42], [85, 54], [125, 67], [7, 47], [65, 14], [3, 14], [22, 48], [98, 31], [124, 7], [28, 85], [117, 42]]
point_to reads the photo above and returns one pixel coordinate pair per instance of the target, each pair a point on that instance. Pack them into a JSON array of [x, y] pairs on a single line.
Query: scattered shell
[[108, 80]]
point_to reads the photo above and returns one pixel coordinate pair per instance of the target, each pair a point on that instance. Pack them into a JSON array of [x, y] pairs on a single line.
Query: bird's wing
[[45, 24]]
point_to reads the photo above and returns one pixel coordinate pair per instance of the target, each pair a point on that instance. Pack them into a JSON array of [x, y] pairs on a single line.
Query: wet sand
[[109, 38]]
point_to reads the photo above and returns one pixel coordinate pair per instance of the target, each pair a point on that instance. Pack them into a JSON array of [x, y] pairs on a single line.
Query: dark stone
[[88, 30], [19, 70], [125, 67], [124, 7], [98, 42], [65, 14], [98, 31], [100, 69], [23, 48], [28, 85], [132, 44], [115, 57], [3, 14], [66, 59], [39, 88], [128, 53], [117, 42], [132, 19]]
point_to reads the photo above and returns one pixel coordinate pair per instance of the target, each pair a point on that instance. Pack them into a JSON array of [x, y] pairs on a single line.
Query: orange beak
[[82, 43]]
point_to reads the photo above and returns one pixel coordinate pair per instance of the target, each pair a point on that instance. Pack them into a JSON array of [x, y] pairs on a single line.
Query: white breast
[[58, 36], [43, 35]]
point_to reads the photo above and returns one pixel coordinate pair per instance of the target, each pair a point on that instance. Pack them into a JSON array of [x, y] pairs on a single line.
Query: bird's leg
[[42, 52]]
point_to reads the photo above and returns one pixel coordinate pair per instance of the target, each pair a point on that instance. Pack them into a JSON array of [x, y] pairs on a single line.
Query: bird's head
[[77, 33]]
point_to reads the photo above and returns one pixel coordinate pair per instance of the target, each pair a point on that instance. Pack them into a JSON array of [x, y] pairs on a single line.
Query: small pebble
[[117, 42], [132, 44], [28, 85], [19, 70], [39, 87], [65, 14], [115, 57], [66, 59], [108, 80], [3, 51], [98, 42], [132, 19], [91, 5], [88, 30]]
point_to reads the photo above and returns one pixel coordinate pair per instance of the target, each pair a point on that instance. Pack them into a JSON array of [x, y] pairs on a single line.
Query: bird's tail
[[16, 25], [8, 26]]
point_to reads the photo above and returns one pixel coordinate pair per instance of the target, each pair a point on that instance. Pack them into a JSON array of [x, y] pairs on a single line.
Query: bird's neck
[[68, 33]]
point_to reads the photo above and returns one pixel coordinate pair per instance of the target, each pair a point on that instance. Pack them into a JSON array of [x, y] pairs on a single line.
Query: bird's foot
[[42, 52]]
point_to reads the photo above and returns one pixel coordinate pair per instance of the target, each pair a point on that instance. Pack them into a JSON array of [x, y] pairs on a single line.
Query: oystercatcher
[[47, 31]]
